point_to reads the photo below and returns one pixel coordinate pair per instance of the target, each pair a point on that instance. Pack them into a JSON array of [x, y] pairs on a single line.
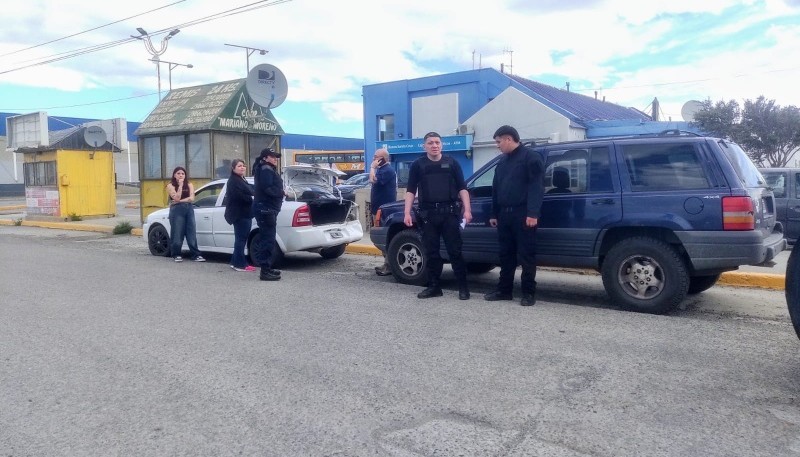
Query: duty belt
[[438, 205], [510, 209]]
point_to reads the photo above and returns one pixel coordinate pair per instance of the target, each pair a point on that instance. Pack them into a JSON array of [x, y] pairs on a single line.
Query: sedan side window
[[207, 196]]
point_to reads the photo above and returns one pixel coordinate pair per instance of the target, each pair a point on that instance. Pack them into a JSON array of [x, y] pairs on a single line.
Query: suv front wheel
[[406, 258], [646, 275]]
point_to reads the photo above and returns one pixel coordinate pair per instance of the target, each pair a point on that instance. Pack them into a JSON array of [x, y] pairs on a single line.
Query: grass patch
[[75, 217], [18, 222], [122, 228]]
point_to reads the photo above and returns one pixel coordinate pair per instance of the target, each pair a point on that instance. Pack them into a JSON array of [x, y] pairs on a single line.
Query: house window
[[199, 163], [175, 148], [152, 157], [40, 173], [386, 127]]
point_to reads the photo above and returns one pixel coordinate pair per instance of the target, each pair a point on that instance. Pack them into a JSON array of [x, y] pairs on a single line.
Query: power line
[[89, 49], [79, 105], [90, 30]]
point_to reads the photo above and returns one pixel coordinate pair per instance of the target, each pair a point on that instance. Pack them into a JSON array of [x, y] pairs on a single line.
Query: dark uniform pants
[[266, 218], [517, 247], [443, 226]]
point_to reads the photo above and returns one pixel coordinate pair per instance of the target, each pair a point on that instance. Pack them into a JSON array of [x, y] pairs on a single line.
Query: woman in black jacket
[[239, 213]]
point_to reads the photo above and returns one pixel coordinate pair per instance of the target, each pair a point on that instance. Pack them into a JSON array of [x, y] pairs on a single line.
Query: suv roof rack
[[677, 132]]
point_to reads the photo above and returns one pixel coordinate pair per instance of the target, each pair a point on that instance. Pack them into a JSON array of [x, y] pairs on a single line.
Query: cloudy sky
[[72, 58]]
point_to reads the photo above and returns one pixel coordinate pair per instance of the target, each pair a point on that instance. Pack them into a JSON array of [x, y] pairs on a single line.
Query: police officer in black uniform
[[517, 192], [268, 197], [443, 202]]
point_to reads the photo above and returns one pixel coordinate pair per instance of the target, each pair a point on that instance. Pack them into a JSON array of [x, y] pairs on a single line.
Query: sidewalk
[[13, 210]]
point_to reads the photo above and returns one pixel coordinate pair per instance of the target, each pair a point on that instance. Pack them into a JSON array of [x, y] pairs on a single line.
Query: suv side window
[[664, 167], [482, 185], [578, 171]]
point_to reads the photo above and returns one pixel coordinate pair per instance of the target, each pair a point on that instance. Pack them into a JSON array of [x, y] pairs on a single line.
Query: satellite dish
[[94, 136], [267, 85], [689, 109]]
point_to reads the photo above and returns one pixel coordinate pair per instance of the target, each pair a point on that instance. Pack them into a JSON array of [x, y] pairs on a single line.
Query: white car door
[[205, 212]]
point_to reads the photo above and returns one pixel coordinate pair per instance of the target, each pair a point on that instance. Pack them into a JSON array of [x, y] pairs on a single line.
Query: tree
[[769, 133]]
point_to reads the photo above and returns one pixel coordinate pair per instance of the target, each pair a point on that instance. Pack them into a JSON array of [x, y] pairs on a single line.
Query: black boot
[[268, 275], [528, 299], [463, 292], [497, 295], [430, 291]]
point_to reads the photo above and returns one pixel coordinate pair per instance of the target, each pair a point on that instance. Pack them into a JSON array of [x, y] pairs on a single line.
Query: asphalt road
[[106, 350]]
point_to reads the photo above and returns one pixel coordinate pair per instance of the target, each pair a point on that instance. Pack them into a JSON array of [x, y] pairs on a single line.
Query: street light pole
[[148, 45], [248, 51], [172, 66]]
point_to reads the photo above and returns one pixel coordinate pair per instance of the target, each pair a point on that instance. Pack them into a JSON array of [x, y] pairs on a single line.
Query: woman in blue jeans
[[239, 213], [181, 216]]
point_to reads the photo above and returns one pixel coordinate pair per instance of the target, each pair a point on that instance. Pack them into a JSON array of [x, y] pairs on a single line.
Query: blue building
[[467, 107]]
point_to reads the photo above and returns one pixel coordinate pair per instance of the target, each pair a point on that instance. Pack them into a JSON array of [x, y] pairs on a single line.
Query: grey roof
[[576, 106]]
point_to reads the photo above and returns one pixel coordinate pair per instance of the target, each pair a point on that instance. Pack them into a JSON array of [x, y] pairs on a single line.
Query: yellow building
[[70, 176]]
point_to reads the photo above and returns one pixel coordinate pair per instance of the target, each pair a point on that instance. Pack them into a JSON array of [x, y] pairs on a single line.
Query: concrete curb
[[732, 278]]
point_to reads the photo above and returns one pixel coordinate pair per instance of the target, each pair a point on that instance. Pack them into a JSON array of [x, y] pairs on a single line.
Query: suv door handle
[[603, 201]]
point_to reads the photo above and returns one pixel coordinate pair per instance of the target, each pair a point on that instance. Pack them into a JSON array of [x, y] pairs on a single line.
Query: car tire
[[333, 252], [158, 241], [792, 286], [406, 258], [479, 268], [646, 275], [699, 284], [277, 254]]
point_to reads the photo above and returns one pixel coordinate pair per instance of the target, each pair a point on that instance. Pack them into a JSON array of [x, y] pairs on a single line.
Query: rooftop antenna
[[511, 60]]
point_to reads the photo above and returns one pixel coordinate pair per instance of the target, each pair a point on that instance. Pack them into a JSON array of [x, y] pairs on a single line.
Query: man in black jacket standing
[[517, 192], [443, 203], [268, 197]]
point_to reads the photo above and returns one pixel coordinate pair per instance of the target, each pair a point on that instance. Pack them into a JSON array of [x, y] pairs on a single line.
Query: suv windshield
[[745, 168]]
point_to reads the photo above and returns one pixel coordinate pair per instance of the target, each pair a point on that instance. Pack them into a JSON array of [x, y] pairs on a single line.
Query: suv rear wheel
[[646, 275], [406, 258]]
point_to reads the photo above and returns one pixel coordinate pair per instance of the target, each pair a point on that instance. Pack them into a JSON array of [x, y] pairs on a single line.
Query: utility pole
[[172, 66], [148, 45], [248, 51], [511, 60]]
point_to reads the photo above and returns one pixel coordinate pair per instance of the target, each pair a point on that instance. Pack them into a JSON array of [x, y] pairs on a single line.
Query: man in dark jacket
[[517, 192], [268, 197], [384, 190]]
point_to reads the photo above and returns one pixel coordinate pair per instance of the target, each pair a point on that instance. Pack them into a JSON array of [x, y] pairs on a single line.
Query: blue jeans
[[241, 231], [181, 221]]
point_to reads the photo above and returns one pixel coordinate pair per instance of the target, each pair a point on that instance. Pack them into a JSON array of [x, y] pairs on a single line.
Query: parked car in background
[[659, 216], [312, 218], [785, 184], [348, 188]]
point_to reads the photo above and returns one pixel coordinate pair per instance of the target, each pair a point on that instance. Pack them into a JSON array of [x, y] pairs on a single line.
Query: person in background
[[181, 216], [443, 202], [517, 192], [239, 213], [266, 206], [384, 190]]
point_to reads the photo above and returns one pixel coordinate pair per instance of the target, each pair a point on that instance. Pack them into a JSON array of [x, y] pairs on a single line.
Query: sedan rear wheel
[[333, 252], [277, 254], [158, 241]]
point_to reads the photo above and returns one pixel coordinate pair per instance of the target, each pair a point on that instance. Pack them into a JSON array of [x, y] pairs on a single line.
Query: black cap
[[269, 152]]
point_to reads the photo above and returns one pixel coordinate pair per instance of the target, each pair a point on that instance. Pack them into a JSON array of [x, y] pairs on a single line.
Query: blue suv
[[658, 216]]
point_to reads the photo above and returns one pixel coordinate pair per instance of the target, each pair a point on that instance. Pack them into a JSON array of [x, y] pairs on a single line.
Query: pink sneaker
[[249, 268]]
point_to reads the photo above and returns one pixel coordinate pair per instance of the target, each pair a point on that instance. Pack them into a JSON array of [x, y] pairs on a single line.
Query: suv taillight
[[302, 216], [376, 222], [738, 213]]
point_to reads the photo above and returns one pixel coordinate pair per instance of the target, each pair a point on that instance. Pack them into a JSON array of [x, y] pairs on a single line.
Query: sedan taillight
[[302, 216], [738, 213]]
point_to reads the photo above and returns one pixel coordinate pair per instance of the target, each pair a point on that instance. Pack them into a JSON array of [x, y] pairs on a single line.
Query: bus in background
[[349, 162]]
